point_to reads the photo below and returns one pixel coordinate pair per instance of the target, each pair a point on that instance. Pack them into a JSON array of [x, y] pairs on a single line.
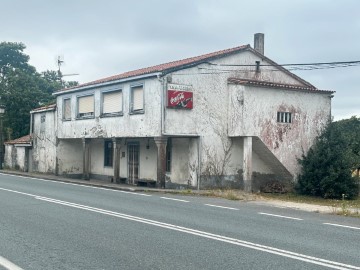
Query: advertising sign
[[179, 97]]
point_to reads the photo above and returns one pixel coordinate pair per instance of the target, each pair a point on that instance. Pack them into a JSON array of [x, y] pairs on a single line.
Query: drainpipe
[[199, 163]]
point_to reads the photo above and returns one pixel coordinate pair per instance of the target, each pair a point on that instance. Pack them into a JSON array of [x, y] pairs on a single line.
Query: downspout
[[199, 163]]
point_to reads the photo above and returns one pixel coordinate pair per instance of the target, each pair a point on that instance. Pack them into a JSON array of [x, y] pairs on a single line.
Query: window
[[67, 109], [108, 153], [137, 99], [168, 155], [85, 106], [284, 117], [112, 103]]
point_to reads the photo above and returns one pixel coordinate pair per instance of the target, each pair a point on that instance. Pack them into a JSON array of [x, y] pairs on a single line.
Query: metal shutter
[[86, 104], [112, 102], [138, 98], [67, 109]]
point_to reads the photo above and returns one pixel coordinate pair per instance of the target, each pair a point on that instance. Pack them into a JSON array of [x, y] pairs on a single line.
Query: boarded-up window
[[137, 98], [112, 102], [86, 106], [67, 109]]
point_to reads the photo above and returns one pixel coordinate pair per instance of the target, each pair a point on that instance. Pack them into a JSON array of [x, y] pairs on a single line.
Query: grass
[[339, 207]]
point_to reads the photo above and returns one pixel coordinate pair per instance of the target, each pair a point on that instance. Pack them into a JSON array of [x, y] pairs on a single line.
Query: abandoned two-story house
[[229, 118]]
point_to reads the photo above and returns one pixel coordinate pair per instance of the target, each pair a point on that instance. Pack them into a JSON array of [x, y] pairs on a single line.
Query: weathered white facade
[[249, 121], [17, 154]]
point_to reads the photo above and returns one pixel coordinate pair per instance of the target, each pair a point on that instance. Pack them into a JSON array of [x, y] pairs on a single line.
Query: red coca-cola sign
[[180, 99]]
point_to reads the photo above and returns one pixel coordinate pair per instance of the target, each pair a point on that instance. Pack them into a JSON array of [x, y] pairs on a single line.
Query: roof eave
[[96, 85]]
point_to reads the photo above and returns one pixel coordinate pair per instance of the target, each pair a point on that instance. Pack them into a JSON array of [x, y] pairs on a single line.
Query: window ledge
[[85, 117], [137, 112], [111, 115]]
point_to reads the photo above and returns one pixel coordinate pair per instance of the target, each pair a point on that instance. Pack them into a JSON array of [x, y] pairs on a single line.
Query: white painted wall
[[44, 141], [14, 157], [128, 125], [217, 114], [70, 157], [258, 117]]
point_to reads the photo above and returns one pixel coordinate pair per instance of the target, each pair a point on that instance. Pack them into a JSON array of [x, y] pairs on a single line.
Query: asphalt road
[[54, 225]]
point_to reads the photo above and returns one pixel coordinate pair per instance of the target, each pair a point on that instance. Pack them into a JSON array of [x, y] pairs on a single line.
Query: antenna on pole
[[60, 61]]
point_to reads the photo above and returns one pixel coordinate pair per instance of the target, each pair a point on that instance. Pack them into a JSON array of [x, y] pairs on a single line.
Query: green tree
[[22, 88], [327, 167]]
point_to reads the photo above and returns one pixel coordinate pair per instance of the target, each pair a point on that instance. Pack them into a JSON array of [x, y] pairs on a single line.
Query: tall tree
[[22, 88]]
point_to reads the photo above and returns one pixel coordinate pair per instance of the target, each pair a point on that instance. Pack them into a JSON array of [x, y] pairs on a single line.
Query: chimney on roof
[[259, 42]]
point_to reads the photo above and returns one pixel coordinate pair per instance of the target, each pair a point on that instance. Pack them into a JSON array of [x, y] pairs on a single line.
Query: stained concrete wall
[[253, 112], [217, 114], [211, 114], [15, 157], [70, 157], [44, 142], [128, 125]]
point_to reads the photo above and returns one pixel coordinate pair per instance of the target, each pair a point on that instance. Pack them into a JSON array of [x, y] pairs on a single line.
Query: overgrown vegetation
[[22, 88], [328, 166]]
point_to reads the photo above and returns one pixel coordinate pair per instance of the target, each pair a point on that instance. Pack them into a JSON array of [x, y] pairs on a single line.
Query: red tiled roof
[[23, 140], [275, 85], [164, 67], [47, 107]]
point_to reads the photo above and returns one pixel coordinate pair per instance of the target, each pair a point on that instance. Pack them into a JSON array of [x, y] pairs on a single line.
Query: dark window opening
[[108, 153]]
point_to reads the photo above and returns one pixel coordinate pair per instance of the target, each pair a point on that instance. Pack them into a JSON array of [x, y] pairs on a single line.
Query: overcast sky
[[100, 38]]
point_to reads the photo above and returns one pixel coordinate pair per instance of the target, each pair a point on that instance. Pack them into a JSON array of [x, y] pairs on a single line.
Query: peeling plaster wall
[[128, 125], [15, 157], [253, 112], [210, 114], [8, 157], [220, 110], [70, 158], [44, 142], [180, 161]]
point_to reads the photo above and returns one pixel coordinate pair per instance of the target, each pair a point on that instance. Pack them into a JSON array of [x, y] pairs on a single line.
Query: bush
[[327, 167]]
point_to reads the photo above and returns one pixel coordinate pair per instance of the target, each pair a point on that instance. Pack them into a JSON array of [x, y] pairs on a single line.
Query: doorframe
[[131, 143]]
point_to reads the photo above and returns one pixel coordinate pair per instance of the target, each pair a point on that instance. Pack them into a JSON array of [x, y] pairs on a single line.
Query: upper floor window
[[112, 103], [67, 109], [284, 117], [85, 108], [137, 99]]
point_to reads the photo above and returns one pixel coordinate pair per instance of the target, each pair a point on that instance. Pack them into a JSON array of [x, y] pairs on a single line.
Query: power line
[[345, 63]]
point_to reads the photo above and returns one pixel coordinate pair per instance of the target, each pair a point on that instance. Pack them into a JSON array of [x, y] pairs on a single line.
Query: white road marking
[[173, 199], [219, 206], [8, 265], [78, 184], [234, 241], [267, 214], [343, 226]]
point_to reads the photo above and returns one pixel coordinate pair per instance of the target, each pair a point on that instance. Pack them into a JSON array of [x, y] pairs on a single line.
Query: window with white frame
[[137, 99], [112, 103], [85, 106], [67, 109], [284, 117]]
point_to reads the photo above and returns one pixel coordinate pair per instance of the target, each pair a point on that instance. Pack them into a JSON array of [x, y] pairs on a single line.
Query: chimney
[[259, 42]]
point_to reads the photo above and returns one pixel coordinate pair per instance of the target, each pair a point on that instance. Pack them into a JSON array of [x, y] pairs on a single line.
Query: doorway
[[133, 162]]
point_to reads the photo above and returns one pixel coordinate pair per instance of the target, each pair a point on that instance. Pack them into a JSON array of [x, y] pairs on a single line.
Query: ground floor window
[[168, 155], [108, 153]]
